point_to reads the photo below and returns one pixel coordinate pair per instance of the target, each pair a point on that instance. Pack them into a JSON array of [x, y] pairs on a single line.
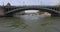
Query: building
[[31, 11], [2, 9]]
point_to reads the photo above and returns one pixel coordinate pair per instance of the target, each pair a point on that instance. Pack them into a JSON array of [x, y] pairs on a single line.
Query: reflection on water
[[29, 23], [31, 17]]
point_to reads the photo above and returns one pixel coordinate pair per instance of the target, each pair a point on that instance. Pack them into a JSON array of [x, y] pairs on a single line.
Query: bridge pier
[[9, 15]]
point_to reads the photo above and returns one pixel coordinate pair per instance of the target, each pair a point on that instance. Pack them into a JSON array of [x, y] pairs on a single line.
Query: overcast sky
[[29, 2]]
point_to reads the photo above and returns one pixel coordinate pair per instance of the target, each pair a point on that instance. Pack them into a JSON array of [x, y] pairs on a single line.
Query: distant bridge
[[20, 9]]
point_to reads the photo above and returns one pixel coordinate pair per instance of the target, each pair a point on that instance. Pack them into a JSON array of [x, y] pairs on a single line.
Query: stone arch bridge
[[51, 11]]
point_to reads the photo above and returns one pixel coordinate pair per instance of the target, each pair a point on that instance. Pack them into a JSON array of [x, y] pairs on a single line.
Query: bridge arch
[[52, 12]]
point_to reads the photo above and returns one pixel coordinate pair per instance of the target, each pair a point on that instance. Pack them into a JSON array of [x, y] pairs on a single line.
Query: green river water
[[27, 23]]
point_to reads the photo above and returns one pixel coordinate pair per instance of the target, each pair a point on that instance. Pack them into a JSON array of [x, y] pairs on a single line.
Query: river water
[[30, 23]]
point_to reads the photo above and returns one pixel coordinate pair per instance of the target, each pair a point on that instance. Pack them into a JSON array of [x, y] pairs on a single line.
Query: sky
[[29, 2]]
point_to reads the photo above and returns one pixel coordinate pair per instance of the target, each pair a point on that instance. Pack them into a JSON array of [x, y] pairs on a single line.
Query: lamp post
[[3, 3], [23, 3]]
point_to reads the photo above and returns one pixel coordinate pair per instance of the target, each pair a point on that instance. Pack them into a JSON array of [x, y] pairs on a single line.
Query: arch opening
[[32, 12]]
